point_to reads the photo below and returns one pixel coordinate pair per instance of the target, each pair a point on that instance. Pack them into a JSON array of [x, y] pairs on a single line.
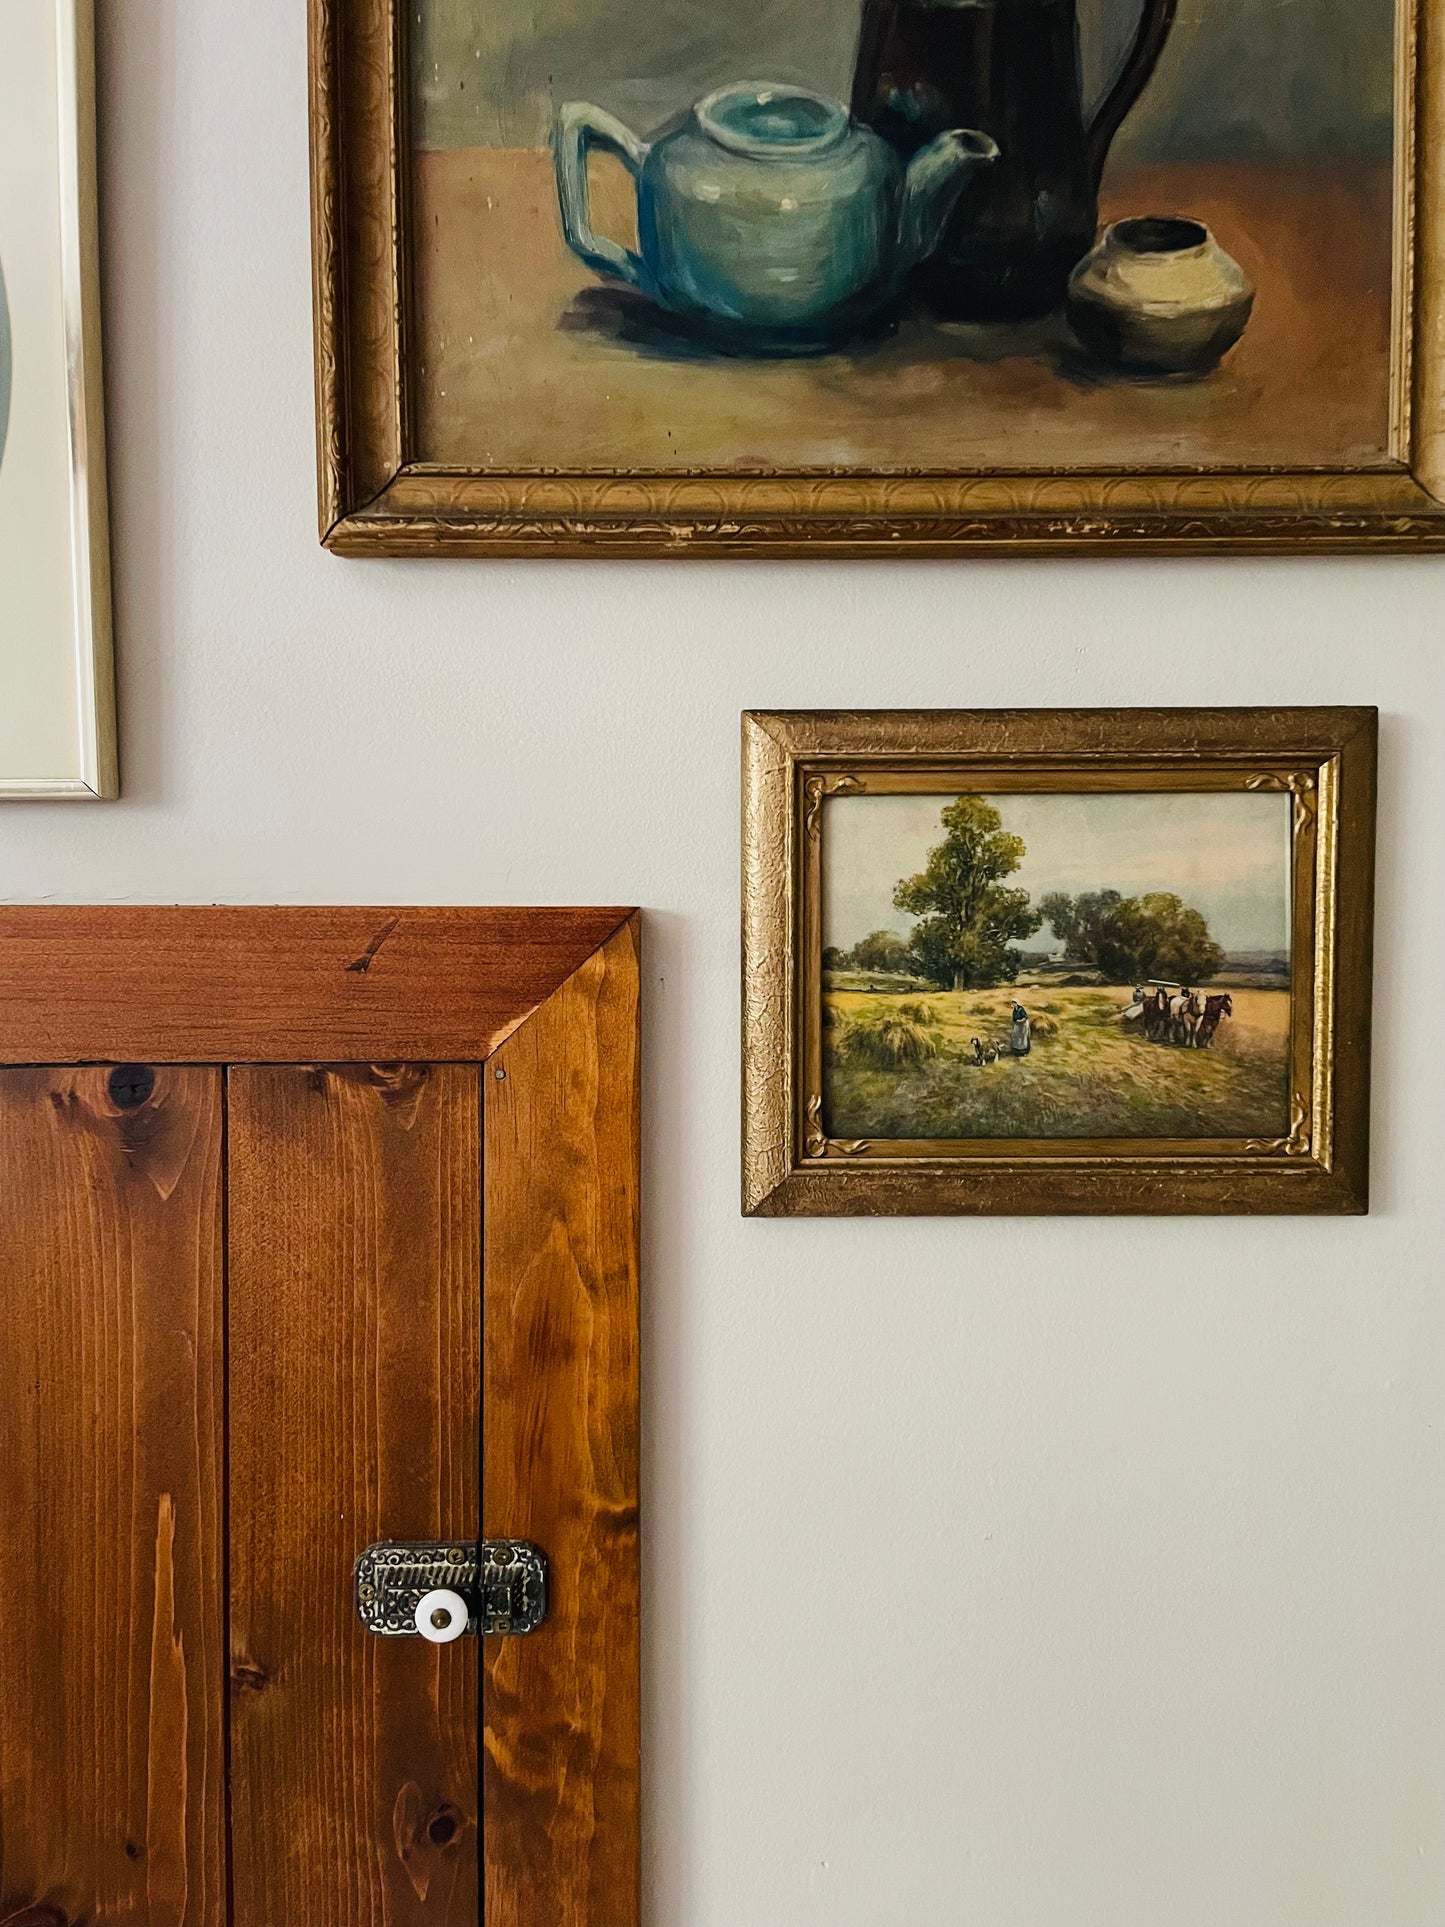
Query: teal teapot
[[768, 219]]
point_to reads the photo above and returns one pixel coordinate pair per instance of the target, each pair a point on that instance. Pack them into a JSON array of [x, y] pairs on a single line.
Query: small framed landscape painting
[[1057, 960], [57, 728], [832, 276]]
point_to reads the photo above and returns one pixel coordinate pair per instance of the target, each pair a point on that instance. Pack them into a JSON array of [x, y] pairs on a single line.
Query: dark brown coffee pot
[[1011, 69]]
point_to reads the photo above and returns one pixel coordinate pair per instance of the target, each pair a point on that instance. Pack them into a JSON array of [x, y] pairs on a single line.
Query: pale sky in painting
[[1226, 854]]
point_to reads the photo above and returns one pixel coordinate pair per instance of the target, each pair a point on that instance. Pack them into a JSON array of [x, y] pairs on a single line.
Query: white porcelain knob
[[441, 1616]]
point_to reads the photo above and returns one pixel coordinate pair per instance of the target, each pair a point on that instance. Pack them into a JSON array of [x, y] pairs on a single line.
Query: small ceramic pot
[[1158, 295]]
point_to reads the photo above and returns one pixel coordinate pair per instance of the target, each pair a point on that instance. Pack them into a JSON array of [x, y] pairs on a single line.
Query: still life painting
[[902, 203], [56, 691], [1057, 960], [918, 258]]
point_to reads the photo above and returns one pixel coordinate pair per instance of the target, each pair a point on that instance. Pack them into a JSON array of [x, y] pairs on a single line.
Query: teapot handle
[[1133, 76], [578, 131]]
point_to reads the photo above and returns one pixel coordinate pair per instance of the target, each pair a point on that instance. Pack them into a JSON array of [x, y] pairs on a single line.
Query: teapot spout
[[936, 177]]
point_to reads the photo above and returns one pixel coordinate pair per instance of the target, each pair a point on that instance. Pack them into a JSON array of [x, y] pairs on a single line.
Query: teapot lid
[[772, 120]]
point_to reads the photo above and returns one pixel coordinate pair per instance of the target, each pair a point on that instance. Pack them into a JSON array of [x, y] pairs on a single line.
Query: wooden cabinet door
[[317, 1228]]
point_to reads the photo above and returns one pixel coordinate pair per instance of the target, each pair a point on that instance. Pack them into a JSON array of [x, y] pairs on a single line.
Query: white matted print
[[57, 730]]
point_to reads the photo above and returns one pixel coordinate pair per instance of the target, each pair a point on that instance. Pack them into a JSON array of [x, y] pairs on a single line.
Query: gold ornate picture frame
[[1312, 1154], [393, 354]]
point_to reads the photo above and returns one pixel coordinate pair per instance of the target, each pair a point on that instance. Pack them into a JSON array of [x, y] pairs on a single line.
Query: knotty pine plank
[[354, 1243], [112, 1657], [560, 1456], [229, 983]]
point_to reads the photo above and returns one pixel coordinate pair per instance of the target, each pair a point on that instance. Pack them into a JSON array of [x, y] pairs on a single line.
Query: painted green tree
[[1131, 939], [883, 951], [968, 918], [1078, 922]]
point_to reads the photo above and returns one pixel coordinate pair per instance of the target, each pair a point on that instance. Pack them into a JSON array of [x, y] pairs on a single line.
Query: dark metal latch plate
[[503, 1582]]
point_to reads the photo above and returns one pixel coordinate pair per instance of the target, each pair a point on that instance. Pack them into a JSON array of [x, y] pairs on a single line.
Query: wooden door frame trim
[[232, 983]]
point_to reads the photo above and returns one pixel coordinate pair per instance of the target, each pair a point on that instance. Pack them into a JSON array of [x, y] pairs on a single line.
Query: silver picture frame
[[85, 764]]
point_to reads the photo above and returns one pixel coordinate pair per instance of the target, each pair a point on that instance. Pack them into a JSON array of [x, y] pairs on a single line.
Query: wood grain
[[354, 1194], [228, 983], [560, 1458], [354, 1213], [112, 1747]]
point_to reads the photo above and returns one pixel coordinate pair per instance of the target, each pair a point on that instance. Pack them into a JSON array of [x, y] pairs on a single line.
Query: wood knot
[[130, 1086], [248, 1676], [443, 1826]]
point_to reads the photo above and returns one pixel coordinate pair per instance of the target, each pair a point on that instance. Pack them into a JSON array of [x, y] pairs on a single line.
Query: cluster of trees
[[969, 919], [883, 952], [1130, 939]]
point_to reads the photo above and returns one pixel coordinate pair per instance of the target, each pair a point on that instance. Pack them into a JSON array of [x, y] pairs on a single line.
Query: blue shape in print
[[4, 362]]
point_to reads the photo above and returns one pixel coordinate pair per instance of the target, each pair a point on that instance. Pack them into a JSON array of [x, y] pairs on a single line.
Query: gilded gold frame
[[1324, 758], [376, 496]]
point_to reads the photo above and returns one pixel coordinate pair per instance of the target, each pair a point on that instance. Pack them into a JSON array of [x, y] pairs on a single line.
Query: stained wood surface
[[224, 983], [112, 1649], [349, 1197], [560, 1458], [354, 1233]]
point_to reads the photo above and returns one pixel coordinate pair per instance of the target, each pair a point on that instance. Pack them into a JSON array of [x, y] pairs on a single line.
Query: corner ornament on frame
[[1301, 786], [1297, 1144], [819, 1145], [816, 791]]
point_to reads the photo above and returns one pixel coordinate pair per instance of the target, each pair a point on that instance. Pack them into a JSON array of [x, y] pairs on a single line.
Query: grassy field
[[874, 980], [1086, 1076]]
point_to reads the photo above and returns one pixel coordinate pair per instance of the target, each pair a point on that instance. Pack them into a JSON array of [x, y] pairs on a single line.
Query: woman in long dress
[[1019, 1032]]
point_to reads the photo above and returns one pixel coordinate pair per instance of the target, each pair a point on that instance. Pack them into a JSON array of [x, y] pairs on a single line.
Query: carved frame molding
[[377, 497], [792, 762]]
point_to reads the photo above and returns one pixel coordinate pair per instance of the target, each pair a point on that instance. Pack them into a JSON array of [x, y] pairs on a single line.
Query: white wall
[[1167, 1495]]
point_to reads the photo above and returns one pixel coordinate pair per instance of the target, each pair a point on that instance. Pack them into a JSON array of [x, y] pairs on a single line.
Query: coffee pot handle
[[1139, 63], [579, 130]]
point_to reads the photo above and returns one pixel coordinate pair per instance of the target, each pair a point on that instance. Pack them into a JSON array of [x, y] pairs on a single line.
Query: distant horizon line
[[1235, 953]]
